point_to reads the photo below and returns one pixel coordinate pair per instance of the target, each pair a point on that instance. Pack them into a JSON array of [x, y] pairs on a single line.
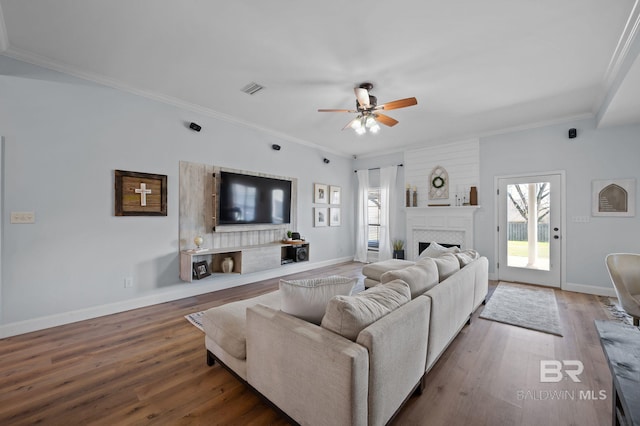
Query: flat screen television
[[248, 199]]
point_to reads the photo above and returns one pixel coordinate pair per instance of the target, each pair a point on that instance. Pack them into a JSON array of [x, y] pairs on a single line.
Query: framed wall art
[[140, 194], [438, 184], [614, 197], [334, 194], [320, 217], [320, 194], [334, 216]]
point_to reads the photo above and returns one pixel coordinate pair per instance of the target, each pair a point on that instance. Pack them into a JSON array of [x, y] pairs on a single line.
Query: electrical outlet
[[128, 282], [23, 217]]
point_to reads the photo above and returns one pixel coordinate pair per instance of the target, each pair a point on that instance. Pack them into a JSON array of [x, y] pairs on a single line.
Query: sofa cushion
[[348, 315], [226, 324], [448, 265], [436, 250], [465, 257], [420, 277], [375, 270], [307, 299]]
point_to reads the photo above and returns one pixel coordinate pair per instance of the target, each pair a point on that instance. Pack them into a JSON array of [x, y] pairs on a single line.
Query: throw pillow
[[349, 315], [307, 299], [466, 257], [448, 265], [436, 250], [420, 277]]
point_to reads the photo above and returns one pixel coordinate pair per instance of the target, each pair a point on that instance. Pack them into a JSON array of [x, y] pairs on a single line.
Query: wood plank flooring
[[148, 366]]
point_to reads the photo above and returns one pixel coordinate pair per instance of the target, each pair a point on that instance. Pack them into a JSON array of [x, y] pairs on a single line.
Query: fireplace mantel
[[452, 225]]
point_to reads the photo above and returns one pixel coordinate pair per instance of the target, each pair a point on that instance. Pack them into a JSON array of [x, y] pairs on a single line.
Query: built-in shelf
[[245, 259]]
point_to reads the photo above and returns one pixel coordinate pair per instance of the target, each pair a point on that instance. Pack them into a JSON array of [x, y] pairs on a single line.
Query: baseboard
[[188, 290], [590, 289]]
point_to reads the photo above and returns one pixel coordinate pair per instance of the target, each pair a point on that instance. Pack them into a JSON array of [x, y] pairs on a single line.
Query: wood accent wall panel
[[196, 212], [461, 160], [196, 207]]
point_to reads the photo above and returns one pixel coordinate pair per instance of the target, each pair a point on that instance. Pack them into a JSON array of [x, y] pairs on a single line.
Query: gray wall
[[64, 137], [594, 154]]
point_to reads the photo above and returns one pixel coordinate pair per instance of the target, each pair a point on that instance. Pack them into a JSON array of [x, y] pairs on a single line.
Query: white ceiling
[[476, 67]]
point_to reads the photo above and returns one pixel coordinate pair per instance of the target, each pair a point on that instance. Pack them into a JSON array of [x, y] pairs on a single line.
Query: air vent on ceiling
[[252, 88]]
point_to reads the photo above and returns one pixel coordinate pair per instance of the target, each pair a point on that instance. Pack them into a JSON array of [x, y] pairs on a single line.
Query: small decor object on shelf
[[289, 235], [227, 265], [140, 194], [198, 241], [415, 196], [438, 184], [408, 196], [473, 196], [201, 270]]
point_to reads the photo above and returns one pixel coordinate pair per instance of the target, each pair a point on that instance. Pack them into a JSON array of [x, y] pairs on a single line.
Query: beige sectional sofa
[[365, 359]]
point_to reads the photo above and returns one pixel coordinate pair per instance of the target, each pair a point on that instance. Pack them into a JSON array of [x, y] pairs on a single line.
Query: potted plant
[[289, 234], [398, 249]]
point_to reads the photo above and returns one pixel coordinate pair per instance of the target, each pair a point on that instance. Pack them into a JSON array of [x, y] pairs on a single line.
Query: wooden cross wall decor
[[140, 194]]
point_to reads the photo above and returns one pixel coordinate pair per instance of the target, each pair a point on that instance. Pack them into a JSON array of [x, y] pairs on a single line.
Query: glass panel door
[[529, 229]]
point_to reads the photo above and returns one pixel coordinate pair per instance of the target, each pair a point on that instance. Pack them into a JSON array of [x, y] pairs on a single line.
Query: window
[[373, 218]]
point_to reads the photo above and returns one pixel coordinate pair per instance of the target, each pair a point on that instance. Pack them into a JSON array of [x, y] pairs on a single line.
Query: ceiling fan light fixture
[[368, 118]]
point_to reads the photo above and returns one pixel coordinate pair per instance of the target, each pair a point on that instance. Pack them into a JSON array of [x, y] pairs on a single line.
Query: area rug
[[524, 306], [613, 310], [195, 319]]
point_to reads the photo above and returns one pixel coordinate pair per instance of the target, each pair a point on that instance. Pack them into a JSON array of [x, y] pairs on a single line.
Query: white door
[[529, 229]]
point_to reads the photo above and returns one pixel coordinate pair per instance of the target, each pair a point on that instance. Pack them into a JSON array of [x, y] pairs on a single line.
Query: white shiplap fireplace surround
[[448, 225]]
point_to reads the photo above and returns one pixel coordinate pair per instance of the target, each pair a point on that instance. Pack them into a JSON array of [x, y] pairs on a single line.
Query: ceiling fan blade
[[337, 110], [351, 122], [363, 97], [386, 120], [400, 103]]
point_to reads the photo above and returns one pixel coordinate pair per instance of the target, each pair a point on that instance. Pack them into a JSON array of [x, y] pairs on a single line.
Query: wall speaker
[[298, 254], [573, 133], [194, 126]]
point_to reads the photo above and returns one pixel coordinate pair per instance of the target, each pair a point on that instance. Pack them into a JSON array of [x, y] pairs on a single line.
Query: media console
[[245, 259]]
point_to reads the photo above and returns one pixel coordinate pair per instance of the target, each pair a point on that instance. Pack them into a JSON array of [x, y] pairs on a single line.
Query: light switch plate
[[23, 217]]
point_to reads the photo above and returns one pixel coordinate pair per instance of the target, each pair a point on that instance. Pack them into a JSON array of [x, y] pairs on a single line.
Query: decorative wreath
[[437, 182]]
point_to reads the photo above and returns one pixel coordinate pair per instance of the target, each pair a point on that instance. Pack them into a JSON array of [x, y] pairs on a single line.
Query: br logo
[[551, 371]]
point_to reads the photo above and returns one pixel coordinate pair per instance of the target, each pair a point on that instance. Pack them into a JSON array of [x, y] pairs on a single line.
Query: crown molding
[[621, 61], [467, 137], [42, 61], [4, 38]]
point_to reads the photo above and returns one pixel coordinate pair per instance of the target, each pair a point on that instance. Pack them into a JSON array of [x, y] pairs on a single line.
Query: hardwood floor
[[148, 366]]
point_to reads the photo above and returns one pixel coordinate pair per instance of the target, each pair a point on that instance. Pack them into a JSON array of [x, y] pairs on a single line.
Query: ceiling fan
[[368, 109]]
